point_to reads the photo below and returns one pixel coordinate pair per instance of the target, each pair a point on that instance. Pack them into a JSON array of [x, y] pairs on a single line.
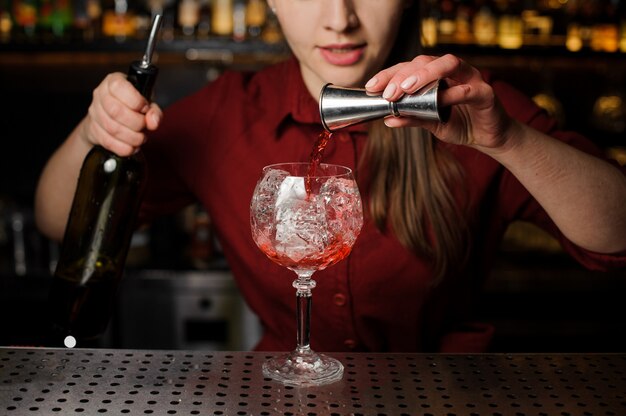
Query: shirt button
[[350, 343], [339, 299]]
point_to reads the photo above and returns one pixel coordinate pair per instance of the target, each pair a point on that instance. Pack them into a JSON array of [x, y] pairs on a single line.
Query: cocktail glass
[[306, 220]]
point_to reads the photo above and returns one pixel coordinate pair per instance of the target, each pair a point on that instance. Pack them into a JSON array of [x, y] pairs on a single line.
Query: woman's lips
[[346, 54]]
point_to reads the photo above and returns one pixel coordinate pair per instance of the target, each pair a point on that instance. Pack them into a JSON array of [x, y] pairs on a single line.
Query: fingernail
[[389, 91], [386, 121], [156, 118], [371, 83], [409, 82]]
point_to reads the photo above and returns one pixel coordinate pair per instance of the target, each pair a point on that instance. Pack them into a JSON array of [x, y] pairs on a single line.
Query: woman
[[437, 204]]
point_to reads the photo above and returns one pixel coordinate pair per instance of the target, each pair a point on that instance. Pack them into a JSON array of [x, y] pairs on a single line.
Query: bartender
[[438, 196]]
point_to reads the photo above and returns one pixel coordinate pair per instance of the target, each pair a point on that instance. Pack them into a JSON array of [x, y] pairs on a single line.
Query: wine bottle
[[99, 230], [222, 23], [6, 21], [25, 15], [188, 16], [256, 15]]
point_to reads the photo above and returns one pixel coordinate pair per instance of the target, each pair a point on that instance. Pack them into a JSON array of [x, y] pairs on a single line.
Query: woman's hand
[[117, 119], [477, 118], [583, 194], [118, 116]]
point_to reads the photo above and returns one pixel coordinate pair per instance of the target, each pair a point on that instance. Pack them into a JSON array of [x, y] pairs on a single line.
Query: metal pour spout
[[147, 56]]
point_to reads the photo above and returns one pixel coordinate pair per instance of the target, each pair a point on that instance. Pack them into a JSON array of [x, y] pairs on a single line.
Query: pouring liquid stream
[[316, 158]]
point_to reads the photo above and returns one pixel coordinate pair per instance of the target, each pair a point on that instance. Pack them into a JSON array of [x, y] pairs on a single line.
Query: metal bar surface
[[40, 381]]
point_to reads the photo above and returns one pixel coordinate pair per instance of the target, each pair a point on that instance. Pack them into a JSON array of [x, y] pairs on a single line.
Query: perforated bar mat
[[120, 382]]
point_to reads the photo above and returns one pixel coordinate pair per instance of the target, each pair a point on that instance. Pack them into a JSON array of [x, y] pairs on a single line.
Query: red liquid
[[333, 253], [316, 157]]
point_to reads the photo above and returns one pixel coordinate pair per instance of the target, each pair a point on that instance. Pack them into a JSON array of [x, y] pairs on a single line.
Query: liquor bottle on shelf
[[142, 14], [117, 21], [81, 21], [256, 16], [585, 18], [222, 17], [88, 19], [98, 233], [44, 19], [63, 18], [605, 29], [447, 22], [429, 24], [169, 21], [204, 22], [510, 29], [558, 20], [574, 30], [6, 21], [271, 31], [156, 7], [484, 25], [55, 19], [463, 29], [25, 17], [239, 20], [188, 16], [539, 23]]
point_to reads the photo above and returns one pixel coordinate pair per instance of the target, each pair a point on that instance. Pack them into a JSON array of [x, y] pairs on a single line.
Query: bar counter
[[43, 381]]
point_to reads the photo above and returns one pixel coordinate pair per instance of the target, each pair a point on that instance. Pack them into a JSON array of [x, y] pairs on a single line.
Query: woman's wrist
[[512, 143], [82, 144]]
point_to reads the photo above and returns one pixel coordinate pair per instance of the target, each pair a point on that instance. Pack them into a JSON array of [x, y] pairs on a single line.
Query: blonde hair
[[415, 191]]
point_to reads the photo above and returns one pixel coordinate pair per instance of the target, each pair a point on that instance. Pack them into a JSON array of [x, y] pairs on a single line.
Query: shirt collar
[[302, 107], [296, 103]]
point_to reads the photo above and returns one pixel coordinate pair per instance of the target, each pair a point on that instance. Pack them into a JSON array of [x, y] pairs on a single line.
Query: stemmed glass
[[306, 220]]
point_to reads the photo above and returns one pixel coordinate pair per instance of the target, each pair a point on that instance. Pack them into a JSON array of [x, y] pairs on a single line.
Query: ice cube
[[301, 228], [343, 207], [265, 196], [292, 187]]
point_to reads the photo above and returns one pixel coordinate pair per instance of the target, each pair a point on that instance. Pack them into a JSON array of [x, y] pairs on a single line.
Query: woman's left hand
[[477, 118], [562, 178]]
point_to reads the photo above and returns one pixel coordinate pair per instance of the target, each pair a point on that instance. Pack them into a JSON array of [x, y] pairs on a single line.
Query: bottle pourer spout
[[147, 57]]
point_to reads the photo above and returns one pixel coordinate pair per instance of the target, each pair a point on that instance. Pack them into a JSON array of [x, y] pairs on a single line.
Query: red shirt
[[211, 148]]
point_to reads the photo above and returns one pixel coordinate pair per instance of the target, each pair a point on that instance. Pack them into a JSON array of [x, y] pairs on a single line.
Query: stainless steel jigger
[[342, 107]]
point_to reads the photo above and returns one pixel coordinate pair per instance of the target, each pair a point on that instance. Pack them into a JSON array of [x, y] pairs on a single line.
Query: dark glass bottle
[[99, 230], [95, 245]]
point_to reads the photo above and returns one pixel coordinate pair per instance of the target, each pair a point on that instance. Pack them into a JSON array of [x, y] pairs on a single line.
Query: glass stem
[[303, 284]]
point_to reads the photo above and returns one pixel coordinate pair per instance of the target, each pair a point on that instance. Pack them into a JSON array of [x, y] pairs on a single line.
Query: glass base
[[303, 368]]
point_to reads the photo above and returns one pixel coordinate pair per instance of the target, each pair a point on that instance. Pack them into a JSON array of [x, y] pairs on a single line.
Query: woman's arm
[[584, 195], [57, 184], [116, 120]]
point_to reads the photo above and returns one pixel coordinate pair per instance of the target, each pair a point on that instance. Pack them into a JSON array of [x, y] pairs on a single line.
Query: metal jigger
[[342, 107]]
